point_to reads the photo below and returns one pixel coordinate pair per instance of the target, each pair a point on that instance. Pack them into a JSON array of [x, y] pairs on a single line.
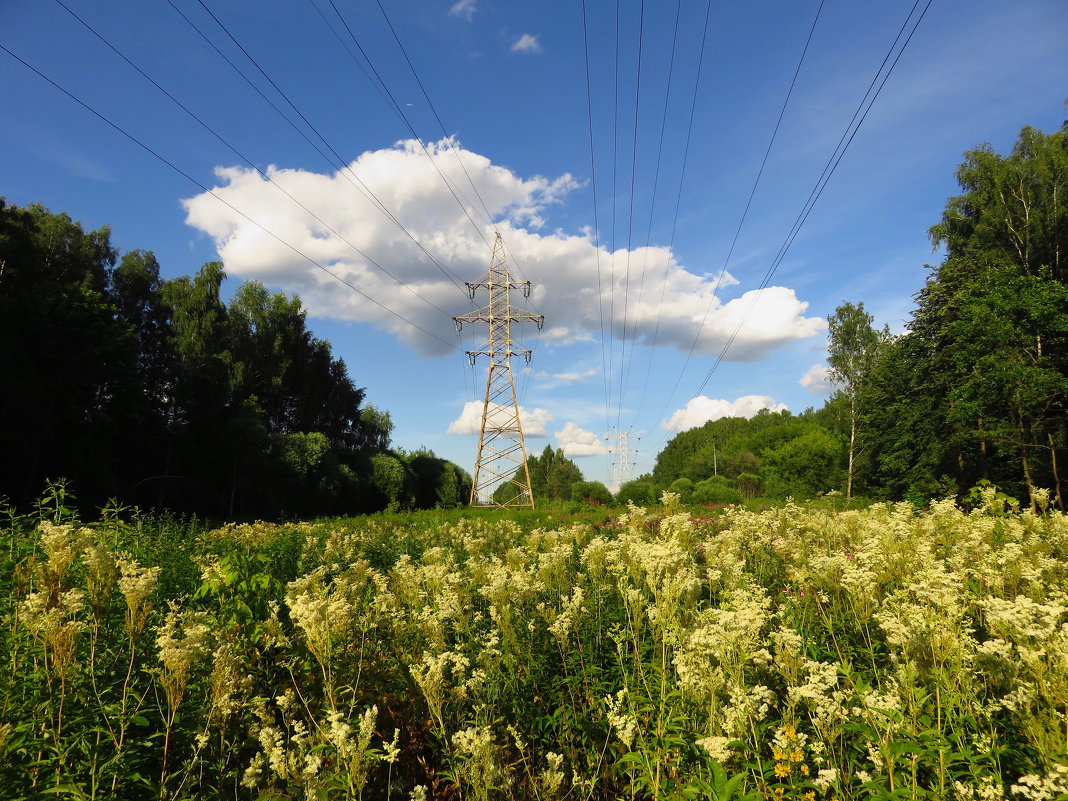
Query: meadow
[[796, 652]]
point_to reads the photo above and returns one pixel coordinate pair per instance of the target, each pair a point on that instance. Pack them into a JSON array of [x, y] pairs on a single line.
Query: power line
[[840, 148], [748, 204], [384, 92], [652, 200], [243, 157], [596, 225], [678, 199], [404, 117], [343, 166], [441, 125], [211, 192], [339, 164], [660, 147], [411, 66], [832, 164], [623, 363], [615, 195]]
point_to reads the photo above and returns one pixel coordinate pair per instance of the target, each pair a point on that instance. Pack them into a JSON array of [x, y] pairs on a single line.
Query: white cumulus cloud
[[817, 380], [568, 378], [577, 441], [701, 409], [289, 229], [464, 9], [527, 43], [534, 421], [547, 380]]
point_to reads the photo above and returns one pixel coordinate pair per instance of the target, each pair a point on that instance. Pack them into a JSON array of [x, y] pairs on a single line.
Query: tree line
[[974, 391], [160, 394]]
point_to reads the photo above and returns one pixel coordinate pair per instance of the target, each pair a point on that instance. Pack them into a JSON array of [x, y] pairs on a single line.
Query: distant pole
[[715, 462], [502, 455]]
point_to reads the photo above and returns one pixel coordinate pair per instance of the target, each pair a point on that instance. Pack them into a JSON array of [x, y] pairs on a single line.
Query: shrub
[[591, 493], [715, 490], [683, 487], [638, 492]]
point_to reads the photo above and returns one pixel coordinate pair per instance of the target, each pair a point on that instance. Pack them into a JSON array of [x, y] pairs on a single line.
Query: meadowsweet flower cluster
[[797, 652]]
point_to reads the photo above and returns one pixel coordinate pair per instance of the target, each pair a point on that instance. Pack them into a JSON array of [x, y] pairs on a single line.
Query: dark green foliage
[[741, 461], [780, 455], [69, 367], [979, 388], [640, 492], [682, 487], [436, 482], [552, 475], [715, 490], [806, 466], [160, 394], [591, 493], [748, 484]]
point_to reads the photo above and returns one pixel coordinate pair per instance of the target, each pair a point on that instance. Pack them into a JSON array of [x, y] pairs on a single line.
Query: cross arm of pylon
[[484, 315], [523, 286], [526, 317], [480, 316], [526, 353]]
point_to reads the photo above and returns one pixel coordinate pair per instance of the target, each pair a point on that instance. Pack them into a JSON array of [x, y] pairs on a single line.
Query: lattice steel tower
[[622, 451], [502, 456]]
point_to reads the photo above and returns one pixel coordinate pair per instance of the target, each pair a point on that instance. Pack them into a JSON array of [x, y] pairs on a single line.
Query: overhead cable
[[596, 226], [222, 200], [624, 364], [748, 204], [407, 123], [246, 159], [863, 108], [678, 201], [341, 161]]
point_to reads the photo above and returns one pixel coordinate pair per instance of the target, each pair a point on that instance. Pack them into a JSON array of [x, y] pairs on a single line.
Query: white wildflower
[[825, 778], [622, 721], [716, 747], [1042, 788], [553, 776]]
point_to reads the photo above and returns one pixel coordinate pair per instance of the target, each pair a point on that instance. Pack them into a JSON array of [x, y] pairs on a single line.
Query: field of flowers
[[790, 653]]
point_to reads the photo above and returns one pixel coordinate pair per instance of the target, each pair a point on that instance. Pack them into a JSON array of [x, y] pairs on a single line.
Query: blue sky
[[506, 146]]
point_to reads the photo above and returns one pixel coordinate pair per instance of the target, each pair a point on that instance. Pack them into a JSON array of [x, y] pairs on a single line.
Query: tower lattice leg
[[502, 456]]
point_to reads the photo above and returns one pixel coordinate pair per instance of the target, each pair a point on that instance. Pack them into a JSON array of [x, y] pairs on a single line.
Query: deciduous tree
[[852, 349]]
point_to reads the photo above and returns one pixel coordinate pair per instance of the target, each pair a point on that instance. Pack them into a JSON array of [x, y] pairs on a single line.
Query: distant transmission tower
[[501, 452], [622, 451]]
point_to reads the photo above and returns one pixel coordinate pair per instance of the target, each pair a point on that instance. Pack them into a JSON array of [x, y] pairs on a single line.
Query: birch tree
[[852, 349]]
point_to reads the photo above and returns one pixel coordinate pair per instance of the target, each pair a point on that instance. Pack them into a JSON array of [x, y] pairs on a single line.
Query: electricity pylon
[[622, 451], [501, 452]]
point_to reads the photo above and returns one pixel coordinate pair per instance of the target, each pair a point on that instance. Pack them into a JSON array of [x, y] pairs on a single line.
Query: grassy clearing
[[800, 652]]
